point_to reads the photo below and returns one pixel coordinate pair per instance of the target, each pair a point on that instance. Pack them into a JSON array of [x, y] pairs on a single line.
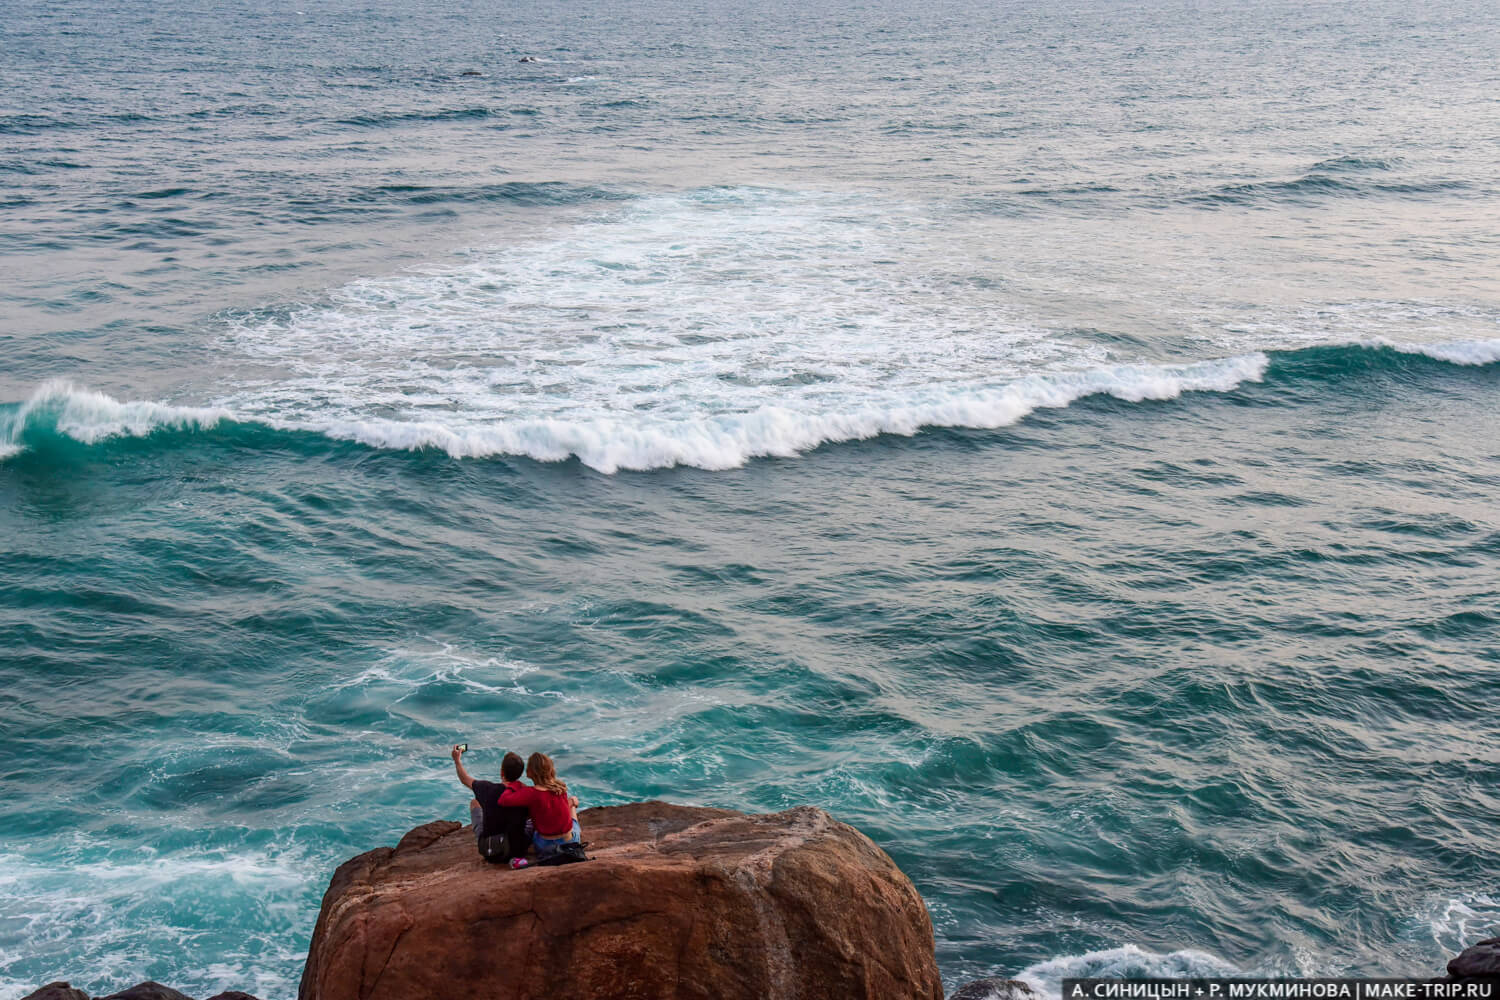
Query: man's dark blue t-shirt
[[509, 820]]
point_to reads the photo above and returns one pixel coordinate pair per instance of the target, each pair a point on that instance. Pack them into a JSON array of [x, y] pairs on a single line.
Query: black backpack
[[495, 848]]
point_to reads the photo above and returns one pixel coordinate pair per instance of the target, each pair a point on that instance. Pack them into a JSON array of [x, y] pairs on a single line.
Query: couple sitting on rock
[[541, 815]]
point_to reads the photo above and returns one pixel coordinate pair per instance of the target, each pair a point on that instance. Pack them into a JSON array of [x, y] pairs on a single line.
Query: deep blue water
[[1059, 439]]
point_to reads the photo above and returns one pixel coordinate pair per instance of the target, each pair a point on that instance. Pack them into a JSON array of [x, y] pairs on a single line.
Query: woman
[[553, 820]]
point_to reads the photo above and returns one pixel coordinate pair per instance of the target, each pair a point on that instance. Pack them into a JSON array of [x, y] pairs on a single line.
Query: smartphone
[[463, 748]]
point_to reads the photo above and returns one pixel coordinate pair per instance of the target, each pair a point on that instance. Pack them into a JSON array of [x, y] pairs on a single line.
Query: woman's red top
[[550, 812]]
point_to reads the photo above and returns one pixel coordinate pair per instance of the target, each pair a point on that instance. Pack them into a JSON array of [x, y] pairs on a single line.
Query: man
[[489, 817]]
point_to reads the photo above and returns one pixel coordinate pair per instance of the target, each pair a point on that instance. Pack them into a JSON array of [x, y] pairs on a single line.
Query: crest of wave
[[62, 408]]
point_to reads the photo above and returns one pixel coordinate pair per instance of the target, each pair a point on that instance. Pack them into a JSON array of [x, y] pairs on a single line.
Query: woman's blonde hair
[[543, 774]]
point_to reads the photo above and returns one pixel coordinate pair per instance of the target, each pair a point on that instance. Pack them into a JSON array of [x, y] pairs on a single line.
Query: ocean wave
[[61, 408], [1356, 163], [377, 121], [1319, 184], [1462, 352], [544, 193], [611, 442]]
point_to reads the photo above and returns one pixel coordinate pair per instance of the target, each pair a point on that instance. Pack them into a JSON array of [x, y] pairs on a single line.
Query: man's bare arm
[[458, 765]]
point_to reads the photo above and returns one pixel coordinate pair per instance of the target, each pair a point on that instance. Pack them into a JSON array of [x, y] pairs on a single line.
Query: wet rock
[[1479, 961], [148, 990], [57, 991]]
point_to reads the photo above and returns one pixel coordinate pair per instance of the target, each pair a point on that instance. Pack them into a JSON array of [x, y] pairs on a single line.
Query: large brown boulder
[[677, 902]]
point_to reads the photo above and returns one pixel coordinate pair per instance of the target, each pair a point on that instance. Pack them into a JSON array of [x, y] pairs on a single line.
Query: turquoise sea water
[[1060, 440]]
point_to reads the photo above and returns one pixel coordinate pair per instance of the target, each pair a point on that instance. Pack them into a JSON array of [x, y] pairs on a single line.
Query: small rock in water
[[140, 991], [149, 990], [1481, 960], [57, 991], [529, 59], [993, 989], [471, 72]]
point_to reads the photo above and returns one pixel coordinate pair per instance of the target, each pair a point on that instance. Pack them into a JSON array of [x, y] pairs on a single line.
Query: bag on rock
[[566, 854]]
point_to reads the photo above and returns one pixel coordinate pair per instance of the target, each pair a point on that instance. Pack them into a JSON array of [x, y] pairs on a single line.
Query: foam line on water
[[610, 444], [697, 433], [1463, 352]]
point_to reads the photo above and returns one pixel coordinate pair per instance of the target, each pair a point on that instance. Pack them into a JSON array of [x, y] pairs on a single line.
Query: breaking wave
[[613, 441], [62, 409], [610, 443]]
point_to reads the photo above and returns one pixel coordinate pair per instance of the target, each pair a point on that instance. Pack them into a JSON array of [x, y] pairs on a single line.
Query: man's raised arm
[[458, 765]]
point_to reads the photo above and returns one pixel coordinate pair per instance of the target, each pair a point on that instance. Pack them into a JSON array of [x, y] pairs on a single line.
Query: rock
[[148, 990], [678, 902], [993, 989], [1479, 961], [141, 991], [57, 991]]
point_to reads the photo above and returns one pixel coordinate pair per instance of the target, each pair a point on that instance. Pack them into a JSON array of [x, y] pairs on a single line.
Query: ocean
[[1060, 439]]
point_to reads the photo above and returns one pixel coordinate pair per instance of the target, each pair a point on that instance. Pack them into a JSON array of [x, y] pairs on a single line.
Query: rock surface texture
[[678, 903], [57, 991], [1479, 961], [141, 991]]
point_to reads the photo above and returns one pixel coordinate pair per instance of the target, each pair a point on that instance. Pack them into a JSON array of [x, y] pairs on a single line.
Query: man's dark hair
[[512, 767]]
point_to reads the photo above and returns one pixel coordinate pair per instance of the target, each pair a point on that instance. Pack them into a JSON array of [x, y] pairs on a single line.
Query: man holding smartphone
[[499, 831]]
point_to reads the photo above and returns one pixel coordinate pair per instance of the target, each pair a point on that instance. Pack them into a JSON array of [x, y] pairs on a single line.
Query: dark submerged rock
[[993, 989], [149, 990]]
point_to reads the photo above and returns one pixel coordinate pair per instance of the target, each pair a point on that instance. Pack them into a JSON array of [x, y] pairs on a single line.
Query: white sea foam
[[725, 441], [1457, 923], [613, 440], [702, 329], [1464, 352], [410, 670], [89, 931], [1127, 962]]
